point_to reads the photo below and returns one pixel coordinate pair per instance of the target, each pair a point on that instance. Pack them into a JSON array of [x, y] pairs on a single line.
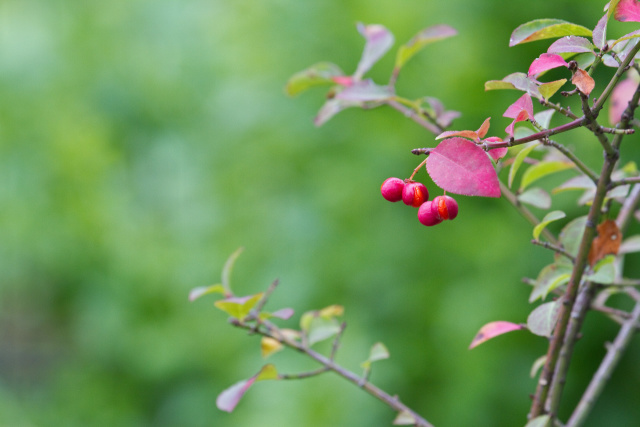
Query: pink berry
[[415, 194], [391, 189], [426, 215], [445, 207]]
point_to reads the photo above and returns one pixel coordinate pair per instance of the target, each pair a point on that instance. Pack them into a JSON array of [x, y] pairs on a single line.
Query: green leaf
[[420, 40], [404, 418], [228, 268], [238, 307], [581, 182], [548, 89], [542, 169], [517, 162], [541, 421], [571, 235], [630, 244], [333, 106], [540, 29], [268, 372], [543, 118], [316, 75], [539, 363], [548, 219], [550, 277], [604, 272], [519, 81], [378, 352], [536, 197], [321, 329], [204, 290], [542, 320]]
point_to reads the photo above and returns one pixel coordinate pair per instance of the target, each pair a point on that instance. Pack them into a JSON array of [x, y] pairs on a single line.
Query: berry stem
[[417, 168]]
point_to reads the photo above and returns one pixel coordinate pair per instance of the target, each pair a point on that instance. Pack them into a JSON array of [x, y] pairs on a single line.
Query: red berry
[[445, 207], [427, 216], [415, 194], [391, 189]]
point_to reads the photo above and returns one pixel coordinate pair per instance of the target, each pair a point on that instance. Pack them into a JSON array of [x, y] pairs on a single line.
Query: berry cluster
[[416, 194]]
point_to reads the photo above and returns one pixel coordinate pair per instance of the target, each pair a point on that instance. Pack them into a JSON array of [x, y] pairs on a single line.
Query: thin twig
[[554, 248], [602, 375], [575, 159], [268, 329]]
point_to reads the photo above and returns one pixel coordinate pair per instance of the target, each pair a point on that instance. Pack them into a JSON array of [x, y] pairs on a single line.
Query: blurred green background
[[141, 142]]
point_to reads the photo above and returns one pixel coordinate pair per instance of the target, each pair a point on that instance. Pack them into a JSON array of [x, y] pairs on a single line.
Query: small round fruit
[[427, 216], [391, 189], [445, 207], [414, 194]]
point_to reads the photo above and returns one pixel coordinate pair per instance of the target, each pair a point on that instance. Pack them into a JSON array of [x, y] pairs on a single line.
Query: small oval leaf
[[420, 40], [517, 162], [571, 44], [493, 329], [536, 197], [545, 62], [542, 169], [548, 219], [542, 320], [316, 75], [378, 41]]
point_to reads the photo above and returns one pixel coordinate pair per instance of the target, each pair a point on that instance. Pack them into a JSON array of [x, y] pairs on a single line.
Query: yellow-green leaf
[[542, 169], [548, 89], [540, 29], [420, 40], [548, 219], [522, 154]]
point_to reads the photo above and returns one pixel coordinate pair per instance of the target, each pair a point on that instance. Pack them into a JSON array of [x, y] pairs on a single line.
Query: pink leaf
[[493, 329], [574, 44], [343, 80], [545, 62], [283, 313], [459, 166], [379, 41], [524, 103], [627, 10], [496, 153], [620, 98], [229, 398]]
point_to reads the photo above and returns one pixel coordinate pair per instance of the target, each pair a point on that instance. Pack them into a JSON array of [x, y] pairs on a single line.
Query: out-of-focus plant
[[587, 264]]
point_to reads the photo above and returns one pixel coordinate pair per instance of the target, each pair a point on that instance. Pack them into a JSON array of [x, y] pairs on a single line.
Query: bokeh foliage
[[142, 141]]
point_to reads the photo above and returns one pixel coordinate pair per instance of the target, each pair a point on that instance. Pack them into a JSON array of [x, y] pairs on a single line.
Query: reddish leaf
[[545, 62], [229, 398], [620, 98], [524, 103], [471, 134], [627, 10], [583, 81], [496, 153], [493, 329], [544, 29], [459, 166], [606, 243], [484, 128]]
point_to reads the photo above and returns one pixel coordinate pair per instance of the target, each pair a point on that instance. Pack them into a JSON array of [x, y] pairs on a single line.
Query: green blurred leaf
[[517, 162], [321, 328], [378, 352], [316, 75], [268, 372], [404, 418], [365, 90], [580, 182], [547, 90], [541, 170], [571, 235], [333, 106], [536, 197], [540, 29], [630, 244], [604, 272], [541, 421], [204, 290], [542, 320], [539, 363], [420, 40], [228, 268], [543, 118], [548, 219], [238, 307], [550, 277]]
